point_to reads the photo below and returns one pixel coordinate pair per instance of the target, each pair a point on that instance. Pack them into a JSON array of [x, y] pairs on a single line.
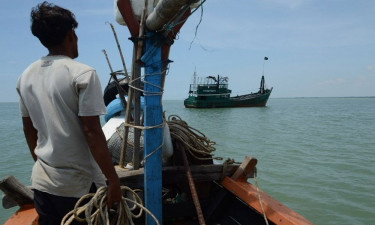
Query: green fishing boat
[[213, 92]]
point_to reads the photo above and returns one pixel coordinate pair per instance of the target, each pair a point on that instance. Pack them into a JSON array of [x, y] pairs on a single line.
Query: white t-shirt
[[54, 91]]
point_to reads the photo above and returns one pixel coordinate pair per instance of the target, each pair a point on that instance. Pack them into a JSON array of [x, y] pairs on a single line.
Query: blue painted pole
[[153, 137]]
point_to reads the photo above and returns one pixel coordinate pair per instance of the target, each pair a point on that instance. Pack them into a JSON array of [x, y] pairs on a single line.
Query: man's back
[[55, 91]]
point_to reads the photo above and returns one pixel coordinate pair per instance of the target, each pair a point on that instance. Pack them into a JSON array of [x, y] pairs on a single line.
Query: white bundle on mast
[[137, 6], [164, 11]]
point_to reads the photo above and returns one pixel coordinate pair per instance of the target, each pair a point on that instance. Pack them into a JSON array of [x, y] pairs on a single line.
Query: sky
[[315, 48]]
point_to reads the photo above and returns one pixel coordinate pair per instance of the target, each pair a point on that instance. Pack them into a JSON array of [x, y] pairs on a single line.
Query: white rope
[[96, 210], [162, 125], [142, 78]]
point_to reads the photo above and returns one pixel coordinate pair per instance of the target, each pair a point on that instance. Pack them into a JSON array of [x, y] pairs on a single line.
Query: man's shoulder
[[78, 65], [77, 68], [58, 61], [29, 70]]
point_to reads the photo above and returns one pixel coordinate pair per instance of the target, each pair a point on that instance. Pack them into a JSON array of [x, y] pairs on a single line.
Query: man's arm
[[99, 149], [31, 135]]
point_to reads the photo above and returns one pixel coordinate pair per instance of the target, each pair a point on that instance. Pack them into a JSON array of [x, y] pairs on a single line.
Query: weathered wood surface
[[176, 174], [15, 192], [246, 169], [8, 202]]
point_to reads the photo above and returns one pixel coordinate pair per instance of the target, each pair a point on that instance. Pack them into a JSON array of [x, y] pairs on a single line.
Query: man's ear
[[70, 36]]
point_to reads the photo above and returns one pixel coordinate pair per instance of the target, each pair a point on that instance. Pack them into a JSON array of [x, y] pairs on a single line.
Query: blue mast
[[153, 137]]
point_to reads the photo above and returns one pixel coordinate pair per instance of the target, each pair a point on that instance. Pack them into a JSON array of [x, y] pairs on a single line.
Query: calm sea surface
[[315, 155]]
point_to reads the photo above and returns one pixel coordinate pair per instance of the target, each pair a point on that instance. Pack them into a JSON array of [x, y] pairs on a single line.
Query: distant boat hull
[[249, 100]]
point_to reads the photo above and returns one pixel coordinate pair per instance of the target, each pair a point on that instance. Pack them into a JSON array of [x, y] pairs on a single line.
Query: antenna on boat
[[195, 76]]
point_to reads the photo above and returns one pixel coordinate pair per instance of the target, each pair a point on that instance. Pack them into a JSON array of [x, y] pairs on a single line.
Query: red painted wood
[[26, 215], [275, 211], [126, 11]]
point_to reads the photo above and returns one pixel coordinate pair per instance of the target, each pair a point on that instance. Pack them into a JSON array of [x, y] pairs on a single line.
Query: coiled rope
[[96, 210], [195, 142]]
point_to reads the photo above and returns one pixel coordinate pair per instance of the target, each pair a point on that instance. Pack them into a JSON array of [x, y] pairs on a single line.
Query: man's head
[[51, 24]]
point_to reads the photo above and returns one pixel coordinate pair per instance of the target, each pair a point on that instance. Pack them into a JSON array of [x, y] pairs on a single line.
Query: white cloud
[[365, 79], [371, 67], [333, 82]]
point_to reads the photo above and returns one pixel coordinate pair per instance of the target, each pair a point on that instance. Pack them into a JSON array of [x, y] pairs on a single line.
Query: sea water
[[315, 155]]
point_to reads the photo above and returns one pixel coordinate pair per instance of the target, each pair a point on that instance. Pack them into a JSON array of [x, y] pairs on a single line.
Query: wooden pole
[[137, 83], [117, 83], [16, 191], [120, 51], [128, 105], [137, 111], [127, 121], [153, 137]]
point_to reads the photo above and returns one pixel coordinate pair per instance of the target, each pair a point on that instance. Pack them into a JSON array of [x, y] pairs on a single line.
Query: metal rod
[[193, 191]]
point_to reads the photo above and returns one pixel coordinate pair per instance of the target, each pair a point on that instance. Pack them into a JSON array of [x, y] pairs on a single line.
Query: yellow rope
[[260, 200], [96, 210], [195, 142]]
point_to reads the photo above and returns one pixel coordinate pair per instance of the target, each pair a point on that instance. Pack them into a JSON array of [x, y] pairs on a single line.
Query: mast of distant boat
[[261, 89]]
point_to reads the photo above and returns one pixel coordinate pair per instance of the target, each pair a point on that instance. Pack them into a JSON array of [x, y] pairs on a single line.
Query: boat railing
[[206, 80], [195, 94], [195, 87]]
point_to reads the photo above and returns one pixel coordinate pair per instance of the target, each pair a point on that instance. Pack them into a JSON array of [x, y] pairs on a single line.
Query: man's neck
[[57, 50]]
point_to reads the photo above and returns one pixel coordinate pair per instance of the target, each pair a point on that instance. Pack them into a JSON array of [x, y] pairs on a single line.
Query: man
[[60, 104]]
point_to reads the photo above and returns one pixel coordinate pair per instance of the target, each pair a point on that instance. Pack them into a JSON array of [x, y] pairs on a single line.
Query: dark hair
[[50, 23]]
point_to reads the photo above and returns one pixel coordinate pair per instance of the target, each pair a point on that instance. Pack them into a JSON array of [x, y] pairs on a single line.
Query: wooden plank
[[245, 170], [15, 190], [275, 211], [138, 48], [8, 202], [25, 215], [137, 116], [176, 174], [126, 11]]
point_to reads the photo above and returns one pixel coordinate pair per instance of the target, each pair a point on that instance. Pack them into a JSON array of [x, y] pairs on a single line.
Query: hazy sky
[[315, 48]]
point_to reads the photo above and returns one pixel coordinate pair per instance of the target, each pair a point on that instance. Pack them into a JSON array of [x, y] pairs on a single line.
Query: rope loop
[[195, 142], [96, 211]]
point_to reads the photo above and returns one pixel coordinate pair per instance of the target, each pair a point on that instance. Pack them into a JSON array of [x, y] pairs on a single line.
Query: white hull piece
[[114, 132], [109, 127]]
